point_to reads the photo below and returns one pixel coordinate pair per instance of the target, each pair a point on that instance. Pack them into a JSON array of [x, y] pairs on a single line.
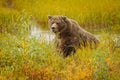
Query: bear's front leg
[[68, 50]]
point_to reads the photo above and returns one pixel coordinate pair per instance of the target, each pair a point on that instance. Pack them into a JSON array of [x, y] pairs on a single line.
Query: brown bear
[[70, 36]]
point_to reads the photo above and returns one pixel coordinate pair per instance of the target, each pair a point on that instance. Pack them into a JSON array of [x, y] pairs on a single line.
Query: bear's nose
[[53, 28]]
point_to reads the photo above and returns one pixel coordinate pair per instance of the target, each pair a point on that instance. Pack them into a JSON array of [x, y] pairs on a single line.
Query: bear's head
[[57, 23]]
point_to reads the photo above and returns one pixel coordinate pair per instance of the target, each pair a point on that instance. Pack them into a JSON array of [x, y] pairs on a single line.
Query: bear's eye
[[58, 23]]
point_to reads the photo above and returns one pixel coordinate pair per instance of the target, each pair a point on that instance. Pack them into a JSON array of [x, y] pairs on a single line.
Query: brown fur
[[70, 36]]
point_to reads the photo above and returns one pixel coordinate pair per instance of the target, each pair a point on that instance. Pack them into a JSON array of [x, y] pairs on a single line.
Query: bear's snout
[[54, 28]]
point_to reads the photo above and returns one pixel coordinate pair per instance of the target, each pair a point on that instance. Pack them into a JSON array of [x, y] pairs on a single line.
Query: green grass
[[14, 22], [90, 14], [26, 58]]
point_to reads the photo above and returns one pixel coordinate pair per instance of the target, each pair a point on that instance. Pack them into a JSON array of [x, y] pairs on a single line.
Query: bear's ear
[[49, 16], [64, 18]]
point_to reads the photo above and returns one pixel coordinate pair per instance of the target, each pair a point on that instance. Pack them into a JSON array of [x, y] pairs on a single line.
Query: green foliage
[[101, 71], [90, 14], [13, 22], [27, 58]]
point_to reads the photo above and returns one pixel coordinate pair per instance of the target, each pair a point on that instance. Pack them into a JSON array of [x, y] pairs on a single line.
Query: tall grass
[[14, 22], [28, 59], [90, 14]]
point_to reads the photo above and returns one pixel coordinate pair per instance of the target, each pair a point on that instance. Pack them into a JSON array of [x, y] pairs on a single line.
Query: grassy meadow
[[26, 58]]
